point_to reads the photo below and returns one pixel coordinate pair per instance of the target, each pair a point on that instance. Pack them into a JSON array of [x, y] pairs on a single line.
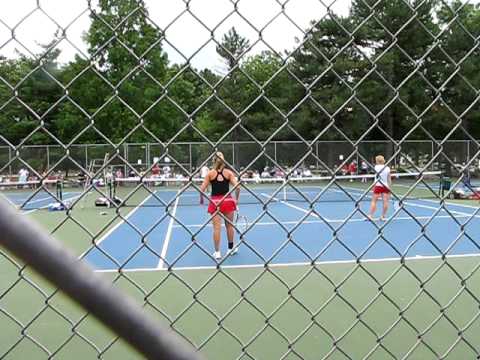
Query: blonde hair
[[379, 160], [218, 161]]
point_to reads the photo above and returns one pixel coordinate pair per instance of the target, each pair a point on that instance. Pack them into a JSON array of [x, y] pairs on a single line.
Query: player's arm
[[234, 182], [203, 187], [389, 180]]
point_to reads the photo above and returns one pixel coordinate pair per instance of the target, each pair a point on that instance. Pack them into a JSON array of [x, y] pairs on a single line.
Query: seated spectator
[[156, 170], [307, 172], [166, 171]]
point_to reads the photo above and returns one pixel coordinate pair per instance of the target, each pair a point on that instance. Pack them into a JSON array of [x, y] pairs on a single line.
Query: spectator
[[364, 170], [256, 176], [167, 171], [307, 172], [156, 170], [22, 176], [204, 171], [265, 173], [352, 169]]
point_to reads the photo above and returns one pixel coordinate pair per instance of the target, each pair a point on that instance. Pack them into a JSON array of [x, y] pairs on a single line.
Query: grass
[[421, 308]]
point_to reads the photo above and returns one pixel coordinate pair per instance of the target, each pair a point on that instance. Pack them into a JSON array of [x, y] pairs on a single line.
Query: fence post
[[147, 154], [468, 149], [86, 157], [275, 152], [9, 161], [190, 157], [48, 157]]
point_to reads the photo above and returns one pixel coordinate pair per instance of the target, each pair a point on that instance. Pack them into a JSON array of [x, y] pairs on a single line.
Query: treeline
[[393, 69]]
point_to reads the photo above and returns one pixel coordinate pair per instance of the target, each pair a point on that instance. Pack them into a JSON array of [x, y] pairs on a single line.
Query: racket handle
[[396, 205]]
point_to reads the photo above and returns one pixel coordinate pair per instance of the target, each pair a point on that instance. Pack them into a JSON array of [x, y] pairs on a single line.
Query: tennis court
[[281, 239], [35, 195], [281, 228]]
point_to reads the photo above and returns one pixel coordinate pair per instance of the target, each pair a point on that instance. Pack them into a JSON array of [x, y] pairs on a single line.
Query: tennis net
[[167, 191]]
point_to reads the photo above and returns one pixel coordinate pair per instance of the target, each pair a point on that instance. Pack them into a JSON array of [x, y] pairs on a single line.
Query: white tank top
[[381, 175]]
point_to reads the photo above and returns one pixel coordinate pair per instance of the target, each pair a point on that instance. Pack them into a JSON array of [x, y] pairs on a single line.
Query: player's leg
[[373, 205], [217, 227], [386, 202], [229, 219]]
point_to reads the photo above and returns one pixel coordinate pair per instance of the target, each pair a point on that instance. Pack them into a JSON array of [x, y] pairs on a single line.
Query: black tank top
[[220, 187]]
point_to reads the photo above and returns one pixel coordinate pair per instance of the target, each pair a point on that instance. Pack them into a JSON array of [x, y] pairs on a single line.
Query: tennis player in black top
[[220, 178]]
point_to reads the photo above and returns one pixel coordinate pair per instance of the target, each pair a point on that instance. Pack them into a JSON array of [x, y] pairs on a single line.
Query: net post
[[59, 189]]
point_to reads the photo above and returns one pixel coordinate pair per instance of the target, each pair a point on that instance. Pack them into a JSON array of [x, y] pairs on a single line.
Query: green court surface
[[418, 309]]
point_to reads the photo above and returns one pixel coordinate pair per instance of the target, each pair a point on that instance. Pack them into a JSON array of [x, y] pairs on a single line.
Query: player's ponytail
[[218, 161]]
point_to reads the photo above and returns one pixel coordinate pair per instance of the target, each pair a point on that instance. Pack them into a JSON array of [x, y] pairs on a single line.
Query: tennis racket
[[396, 204], [241, 222]]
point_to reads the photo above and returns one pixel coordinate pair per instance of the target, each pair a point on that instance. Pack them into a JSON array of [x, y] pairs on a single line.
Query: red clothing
[[156, 170], [379, 189], [352, 168], [225, 204]]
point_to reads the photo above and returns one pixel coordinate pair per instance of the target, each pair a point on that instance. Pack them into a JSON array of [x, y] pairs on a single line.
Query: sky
[[35, 22]]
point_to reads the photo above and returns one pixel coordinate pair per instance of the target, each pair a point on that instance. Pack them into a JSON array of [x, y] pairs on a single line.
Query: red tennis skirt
[[381, 190], [225, 204]]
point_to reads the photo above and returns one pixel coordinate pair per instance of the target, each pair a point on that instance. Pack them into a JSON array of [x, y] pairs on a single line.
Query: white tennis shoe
[[232, 251], [217, 255]]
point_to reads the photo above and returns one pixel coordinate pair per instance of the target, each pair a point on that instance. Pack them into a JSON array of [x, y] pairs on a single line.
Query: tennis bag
[[60, 206], [106, 202]]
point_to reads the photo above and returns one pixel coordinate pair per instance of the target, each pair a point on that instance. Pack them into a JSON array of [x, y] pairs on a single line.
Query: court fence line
[[191, 154]]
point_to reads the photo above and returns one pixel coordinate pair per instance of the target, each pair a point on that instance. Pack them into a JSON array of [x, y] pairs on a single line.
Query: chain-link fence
[[110, 109], [240, 154]]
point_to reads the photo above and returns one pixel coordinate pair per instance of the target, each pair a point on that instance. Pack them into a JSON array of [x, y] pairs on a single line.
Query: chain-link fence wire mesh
[[63, 269], [390, 77], [192, 154]]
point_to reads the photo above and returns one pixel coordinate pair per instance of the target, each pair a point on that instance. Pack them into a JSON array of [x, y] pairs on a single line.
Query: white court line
[[296, 264], [295, 207], [423, 206], [27, 212], [8, 200], [434, 208], [117, 225], [453, 204], [53, 197], [307, 222], [161, 261]]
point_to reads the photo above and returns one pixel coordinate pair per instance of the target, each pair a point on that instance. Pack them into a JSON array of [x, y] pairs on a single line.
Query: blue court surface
[[285, 233], [28, 199]]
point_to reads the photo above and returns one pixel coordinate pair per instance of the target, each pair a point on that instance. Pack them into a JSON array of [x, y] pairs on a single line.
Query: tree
[[126, 47], [397, 37], [37, 92], [232, 47], [220, 118], [330, 66], [460, 90]]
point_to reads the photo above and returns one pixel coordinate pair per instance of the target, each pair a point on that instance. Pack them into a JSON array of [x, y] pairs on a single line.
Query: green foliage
[[232, 46]]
